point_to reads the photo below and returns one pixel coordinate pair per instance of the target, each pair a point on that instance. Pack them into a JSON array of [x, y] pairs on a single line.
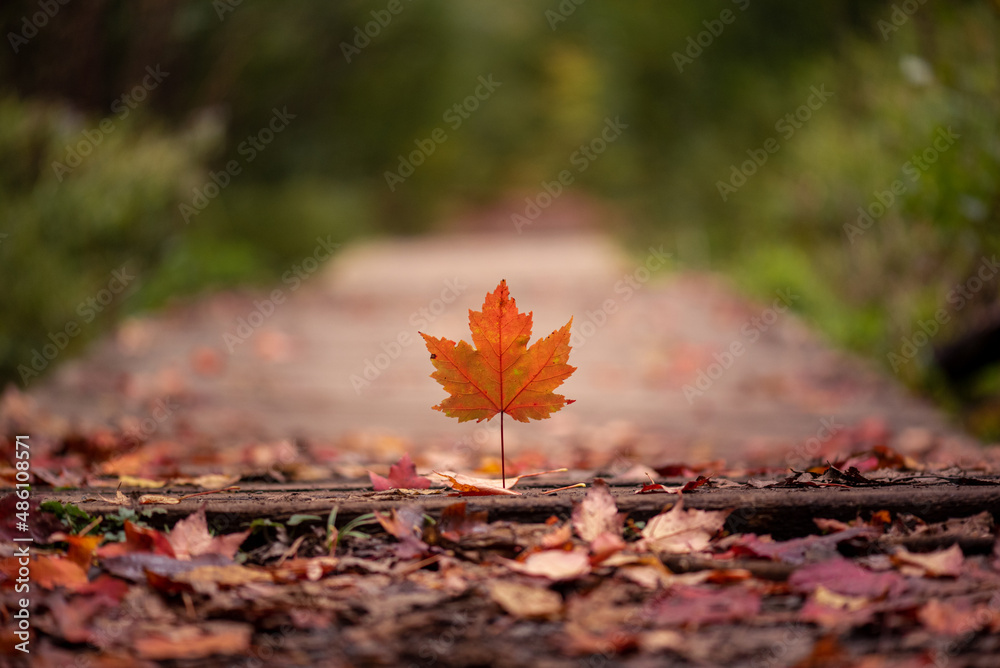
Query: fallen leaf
[[81, 548], [402, 475], [597, 513], [940, 564], [64, 478], [457, 522], [136, 566], [469, 486], [73, 619], [693, 607], [557, 538], [146, 499], [692, 485], [208, 481], [679, 530], [119, 500], [406, 525], [208, 578], [657, 488], [605, 545], [954, 618], [47, 571], [190, 538], [526, 601], [466, 485], [193, 641], [835, 611], [132, 481], [843, 576], [304, 569], [795, 551], [553, 564]]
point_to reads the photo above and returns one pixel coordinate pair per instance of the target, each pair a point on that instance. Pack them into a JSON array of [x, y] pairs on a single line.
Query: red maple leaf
[[502, 374], [402, 475]]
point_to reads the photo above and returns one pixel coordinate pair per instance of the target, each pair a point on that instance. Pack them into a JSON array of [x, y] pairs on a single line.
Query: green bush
[[83, 233]]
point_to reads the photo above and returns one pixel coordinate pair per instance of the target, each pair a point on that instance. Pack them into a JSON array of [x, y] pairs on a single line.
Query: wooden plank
[[784, 513]]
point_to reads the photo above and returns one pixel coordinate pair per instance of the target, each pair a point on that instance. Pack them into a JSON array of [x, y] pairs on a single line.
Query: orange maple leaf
[[502, 374]]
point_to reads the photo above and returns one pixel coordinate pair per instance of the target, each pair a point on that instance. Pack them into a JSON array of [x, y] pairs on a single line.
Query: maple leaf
[[402, 475], [190, 538], [597, 513], [502, 374], [680, 530]]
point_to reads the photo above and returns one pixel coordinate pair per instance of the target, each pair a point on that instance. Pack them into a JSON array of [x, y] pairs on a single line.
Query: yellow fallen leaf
[[132, 481], [159, 498]]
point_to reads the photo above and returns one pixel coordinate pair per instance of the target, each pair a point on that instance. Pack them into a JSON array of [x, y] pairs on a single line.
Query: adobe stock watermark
[[362, 38], [626, 288], [31, 25], [121, 107], [263, 309], [959, 296], [142, 429], [454, 116], [696, 44], [786, 127], [392, 349], [899, 16], [88, 310], [749, 333], [249, 149], [913, 169], [563, 11], [581, 159]]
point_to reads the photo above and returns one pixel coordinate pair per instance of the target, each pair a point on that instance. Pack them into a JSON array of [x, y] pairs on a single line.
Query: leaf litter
[[594, 580]]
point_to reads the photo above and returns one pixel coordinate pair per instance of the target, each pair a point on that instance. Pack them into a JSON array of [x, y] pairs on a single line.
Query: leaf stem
[[503, 466]]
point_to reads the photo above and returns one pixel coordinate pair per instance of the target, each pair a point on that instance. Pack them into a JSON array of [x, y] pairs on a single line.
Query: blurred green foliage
[[699, 84]]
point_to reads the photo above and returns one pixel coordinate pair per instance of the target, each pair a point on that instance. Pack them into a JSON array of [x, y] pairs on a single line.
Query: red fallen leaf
[[501, 374], [190, 538], [107, 587], [843, 576], [688, 470], [679, 530], [141, 539], [456, 522], [406, 525], [657, 488], [941, 564], [597, 513], [795, 551], [692, 485], [879, 457], [72, 619], [402, 475], [692, 607]]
